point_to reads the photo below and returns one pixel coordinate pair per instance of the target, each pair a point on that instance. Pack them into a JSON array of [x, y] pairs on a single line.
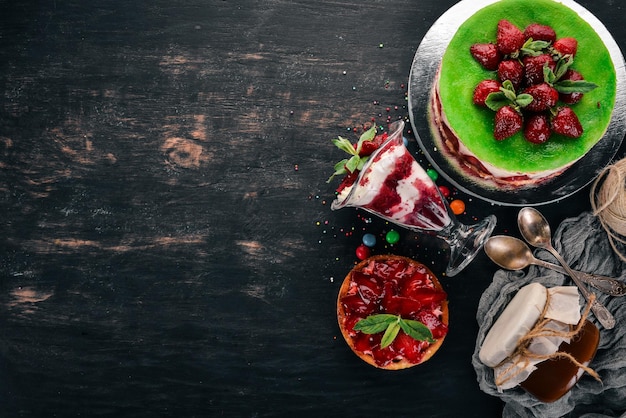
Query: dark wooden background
[[167, 246]]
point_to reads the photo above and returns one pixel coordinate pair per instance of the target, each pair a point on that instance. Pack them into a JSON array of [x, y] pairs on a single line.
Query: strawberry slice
[[409, 348], [383, 356], [356, 305], [400, 305], [392, 271], [409, 306], [368, 287], [426, 296], [363, 342], [414, 282], [433, 322]]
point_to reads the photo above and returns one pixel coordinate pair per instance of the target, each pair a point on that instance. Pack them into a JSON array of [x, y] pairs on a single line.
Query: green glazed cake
[[465, 131]]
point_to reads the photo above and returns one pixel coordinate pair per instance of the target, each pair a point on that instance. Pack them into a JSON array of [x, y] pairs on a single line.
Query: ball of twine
[[608, 201]]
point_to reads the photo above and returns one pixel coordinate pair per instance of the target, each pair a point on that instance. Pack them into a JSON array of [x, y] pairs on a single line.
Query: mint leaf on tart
[[391, 325], [390, 334], [417, 330], [374, 324]]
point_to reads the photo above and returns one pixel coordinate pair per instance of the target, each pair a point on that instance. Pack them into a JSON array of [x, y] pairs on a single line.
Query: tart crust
[[341, 315]]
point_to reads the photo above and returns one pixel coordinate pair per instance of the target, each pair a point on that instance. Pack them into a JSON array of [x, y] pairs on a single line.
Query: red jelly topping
[[393, 286]]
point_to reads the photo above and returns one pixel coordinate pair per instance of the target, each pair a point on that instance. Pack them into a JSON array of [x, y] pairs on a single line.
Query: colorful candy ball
[[457, 206], [432, 173], [392, 237], [362, 252], [369, 240]]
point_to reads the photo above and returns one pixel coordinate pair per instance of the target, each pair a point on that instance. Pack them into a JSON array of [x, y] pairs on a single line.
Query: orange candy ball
[[457, 206]]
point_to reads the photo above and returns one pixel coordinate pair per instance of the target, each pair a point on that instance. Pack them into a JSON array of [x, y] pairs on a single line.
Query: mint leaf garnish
[[534, 48], [369, 134], [356, 162], [496, 100], [507, 97], [390, 334], [523, 99], [374, 324], [344, 144], [574, 86], [391, 325], [417, 330], [509, 90], [562, 65]]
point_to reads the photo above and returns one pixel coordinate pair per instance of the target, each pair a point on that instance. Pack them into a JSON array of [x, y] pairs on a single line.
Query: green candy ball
[[392, 237], [432, 174]]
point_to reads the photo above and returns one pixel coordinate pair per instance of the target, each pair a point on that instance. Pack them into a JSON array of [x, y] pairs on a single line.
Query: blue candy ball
[[369, 240]]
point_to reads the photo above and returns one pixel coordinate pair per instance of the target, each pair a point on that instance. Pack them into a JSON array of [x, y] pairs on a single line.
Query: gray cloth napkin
[[584, 244]]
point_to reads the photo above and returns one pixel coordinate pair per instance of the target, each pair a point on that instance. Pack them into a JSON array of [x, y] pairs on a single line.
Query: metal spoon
[[536, 230], [513, 254]]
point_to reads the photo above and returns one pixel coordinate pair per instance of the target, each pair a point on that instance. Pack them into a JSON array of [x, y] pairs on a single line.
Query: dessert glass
[[393, 186]]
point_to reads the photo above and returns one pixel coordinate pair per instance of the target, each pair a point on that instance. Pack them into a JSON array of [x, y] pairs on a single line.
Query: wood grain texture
[[167, 246]]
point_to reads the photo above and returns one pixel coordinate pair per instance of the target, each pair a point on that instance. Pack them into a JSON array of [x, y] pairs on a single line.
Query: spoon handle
[[600, 311], [604, 284]]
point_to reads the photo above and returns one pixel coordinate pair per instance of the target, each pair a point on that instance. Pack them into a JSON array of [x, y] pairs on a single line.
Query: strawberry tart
[[524, 90], [392, 312]]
